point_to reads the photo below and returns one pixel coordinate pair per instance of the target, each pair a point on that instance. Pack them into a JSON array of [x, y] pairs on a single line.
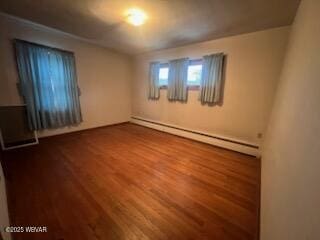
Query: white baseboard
[[220, 141]]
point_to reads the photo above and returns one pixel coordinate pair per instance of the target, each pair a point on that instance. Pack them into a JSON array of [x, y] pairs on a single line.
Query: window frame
[[195, 62], [164, 65]]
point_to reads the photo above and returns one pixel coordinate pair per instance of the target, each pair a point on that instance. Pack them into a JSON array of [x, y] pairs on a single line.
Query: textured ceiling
[[171, 23]]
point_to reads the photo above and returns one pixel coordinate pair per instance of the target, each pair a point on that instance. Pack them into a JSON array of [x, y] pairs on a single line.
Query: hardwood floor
[[131, 182]]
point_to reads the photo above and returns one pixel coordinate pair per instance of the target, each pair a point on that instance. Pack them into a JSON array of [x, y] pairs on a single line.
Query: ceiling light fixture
[[136, 16]]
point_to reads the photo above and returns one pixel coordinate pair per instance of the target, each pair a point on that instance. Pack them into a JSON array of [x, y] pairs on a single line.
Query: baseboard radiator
[[224, 142]]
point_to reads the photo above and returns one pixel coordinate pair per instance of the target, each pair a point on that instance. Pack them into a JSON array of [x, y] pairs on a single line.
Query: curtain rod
[[192, 60], [44, 46]]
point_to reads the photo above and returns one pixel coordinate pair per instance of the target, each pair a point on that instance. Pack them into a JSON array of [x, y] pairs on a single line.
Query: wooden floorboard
[[131, 182]]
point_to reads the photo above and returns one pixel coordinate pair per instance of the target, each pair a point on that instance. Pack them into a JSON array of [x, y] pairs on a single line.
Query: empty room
[[159, 120]]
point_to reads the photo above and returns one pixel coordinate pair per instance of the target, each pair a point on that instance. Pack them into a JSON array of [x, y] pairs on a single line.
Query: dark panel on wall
[[14, 126]]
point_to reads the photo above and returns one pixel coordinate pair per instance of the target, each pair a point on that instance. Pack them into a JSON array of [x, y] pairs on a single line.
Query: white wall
[[291, 157], [252, 70], [104, 76]]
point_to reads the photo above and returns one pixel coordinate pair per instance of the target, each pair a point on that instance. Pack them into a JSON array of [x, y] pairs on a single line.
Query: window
[[53, 83], [49, 85], [163, 74], [194, 73]]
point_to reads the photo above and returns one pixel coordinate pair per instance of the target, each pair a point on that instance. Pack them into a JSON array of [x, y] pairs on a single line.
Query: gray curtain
[[48, 84], [177, 80], [211, 80], [154, 88]]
